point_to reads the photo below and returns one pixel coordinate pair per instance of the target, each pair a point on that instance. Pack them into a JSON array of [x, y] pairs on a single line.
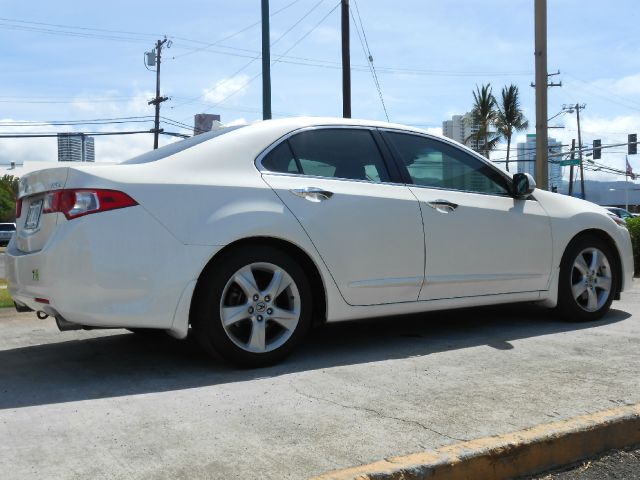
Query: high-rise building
[[527, 159], [460, 128], [75, 147], [205, 122]]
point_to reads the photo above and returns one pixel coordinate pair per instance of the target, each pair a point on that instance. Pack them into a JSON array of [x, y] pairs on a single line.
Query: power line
[[277, 60], [310, 62], [235, 34], [368, 56], [248, 64]]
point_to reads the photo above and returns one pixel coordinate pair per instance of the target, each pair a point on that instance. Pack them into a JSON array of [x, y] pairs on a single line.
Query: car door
[[367, 229], [479, 240]]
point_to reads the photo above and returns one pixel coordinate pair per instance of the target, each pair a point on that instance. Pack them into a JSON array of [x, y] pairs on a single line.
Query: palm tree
[[510, 118], [483, 115]]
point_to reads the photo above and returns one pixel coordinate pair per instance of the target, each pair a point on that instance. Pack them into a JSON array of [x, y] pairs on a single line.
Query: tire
[[252, 307], [588, 279]]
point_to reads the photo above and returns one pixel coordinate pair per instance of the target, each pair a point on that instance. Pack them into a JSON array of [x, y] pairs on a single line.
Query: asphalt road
[[111, 404]]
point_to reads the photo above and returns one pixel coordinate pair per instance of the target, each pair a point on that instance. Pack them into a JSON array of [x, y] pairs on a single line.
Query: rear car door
[[367, 229], [479, 240]]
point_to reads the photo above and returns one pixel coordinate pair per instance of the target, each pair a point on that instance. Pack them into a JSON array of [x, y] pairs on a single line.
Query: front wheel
[[588, 279], [253, 307]]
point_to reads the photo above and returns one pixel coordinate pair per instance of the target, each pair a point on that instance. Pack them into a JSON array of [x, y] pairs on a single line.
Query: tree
[[510, 118], [483, 115], [8, 193]]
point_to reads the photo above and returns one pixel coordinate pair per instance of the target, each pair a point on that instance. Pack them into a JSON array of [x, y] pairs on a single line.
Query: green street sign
[[566, 163]]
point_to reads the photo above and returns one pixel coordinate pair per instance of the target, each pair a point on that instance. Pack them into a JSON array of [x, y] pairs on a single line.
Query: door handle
[[443, 206], [312, 194]]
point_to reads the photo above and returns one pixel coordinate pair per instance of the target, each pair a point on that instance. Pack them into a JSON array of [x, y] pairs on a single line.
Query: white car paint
[[138, 266]]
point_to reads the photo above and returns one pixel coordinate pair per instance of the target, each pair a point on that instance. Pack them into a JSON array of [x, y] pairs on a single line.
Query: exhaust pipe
[[64, 325], [41, 315]]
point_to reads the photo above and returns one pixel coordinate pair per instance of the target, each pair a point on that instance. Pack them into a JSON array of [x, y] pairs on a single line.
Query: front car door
[[367, 229], [479, 240]]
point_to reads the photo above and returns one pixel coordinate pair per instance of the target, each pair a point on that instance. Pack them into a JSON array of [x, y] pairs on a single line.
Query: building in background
[[205, 122], [460, 128], [526, 160], [75, 147]]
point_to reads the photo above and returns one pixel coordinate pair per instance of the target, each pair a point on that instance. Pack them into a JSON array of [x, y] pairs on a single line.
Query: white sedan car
[[248, 235]]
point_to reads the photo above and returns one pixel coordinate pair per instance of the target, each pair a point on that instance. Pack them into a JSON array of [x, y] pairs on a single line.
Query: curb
[[526, 452]]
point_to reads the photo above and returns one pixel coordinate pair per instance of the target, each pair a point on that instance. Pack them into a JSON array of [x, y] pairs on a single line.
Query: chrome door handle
[[443, 206], [312, 194]]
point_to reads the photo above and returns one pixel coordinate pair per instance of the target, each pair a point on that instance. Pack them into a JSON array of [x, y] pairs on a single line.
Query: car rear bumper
[[113, 269]]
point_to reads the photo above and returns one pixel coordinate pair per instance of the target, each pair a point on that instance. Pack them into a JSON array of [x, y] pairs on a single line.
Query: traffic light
[[632, 145], [597, 149]]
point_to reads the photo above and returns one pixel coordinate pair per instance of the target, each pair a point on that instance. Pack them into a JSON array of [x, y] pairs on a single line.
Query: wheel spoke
[[578, 289], [592, 302], [231, 315], [277, 284], [581, 265], [247, 282], [287, 318], [595, 260], [604, 283], [257, 341]]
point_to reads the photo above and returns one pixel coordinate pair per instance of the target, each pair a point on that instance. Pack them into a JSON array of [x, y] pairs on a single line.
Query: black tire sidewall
[[567, 305], [207, 324]]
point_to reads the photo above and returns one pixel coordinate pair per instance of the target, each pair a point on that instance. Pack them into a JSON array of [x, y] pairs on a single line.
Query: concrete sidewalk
[[112, 405]]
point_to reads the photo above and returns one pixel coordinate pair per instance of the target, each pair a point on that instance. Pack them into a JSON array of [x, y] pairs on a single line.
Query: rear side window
[[333, 153], [7, 227]]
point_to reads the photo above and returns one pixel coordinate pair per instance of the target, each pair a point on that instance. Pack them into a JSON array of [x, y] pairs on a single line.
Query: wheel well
[[305, 261], [604, 236]]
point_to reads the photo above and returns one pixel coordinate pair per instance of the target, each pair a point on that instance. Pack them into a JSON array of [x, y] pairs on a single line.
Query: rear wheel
[[253, 307], [588, 280]]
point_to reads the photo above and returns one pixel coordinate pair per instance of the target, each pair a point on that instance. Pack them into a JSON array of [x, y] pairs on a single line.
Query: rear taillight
[[78, 202], [18, 207]]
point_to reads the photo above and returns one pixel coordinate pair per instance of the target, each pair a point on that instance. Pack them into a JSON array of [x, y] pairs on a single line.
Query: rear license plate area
[[33, 215]]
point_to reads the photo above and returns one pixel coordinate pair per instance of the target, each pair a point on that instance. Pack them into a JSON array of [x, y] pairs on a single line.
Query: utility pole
[[573, 156], [578, 108], [542, 141], [346, 62], [266, 63], [158, 99]]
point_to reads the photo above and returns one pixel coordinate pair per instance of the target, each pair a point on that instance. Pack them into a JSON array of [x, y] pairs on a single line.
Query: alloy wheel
[[260, 307]]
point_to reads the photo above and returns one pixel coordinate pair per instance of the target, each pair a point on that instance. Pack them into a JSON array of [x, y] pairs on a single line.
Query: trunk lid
[[33, 227]]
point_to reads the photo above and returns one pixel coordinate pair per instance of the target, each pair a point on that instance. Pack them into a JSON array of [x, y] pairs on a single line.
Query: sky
[[76, 61]]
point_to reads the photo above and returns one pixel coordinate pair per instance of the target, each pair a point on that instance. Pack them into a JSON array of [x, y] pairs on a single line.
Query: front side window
[[332, 152], [432, 163]]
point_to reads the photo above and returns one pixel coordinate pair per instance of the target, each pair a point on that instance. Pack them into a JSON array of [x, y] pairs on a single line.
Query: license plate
[[33, 215]]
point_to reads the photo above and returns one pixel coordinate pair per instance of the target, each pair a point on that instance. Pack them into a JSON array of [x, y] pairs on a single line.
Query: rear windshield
[[7, 227], [172, 148]]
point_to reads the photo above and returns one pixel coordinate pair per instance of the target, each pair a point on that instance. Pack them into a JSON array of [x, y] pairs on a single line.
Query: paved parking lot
[[111, 404]]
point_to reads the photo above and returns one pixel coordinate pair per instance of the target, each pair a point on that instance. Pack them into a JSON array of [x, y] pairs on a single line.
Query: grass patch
[[5, 299]]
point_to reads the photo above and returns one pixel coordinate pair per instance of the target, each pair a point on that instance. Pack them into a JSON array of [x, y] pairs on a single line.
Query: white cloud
[[236, 86], [237, 121]]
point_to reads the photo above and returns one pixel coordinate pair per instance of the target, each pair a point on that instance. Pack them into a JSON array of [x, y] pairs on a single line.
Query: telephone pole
[[542, 140], [266, 63], [578, 108], [346, 62], [154, 58], [573, 155]]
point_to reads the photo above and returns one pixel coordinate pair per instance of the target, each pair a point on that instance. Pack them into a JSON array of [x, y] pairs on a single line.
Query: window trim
[[385, 153], [409, 181]]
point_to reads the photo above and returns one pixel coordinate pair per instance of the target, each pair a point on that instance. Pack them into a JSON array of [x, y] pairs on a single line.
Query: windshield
[[176, 147]]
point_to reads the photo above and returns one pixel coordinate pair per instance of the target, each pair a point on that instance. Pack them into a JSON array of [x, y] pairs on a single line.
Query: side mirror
[[523, 185]]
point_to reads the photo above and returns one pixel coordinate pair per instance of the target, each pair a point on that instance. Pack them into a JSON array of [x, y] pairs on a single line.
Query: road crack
[[377, 413]]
